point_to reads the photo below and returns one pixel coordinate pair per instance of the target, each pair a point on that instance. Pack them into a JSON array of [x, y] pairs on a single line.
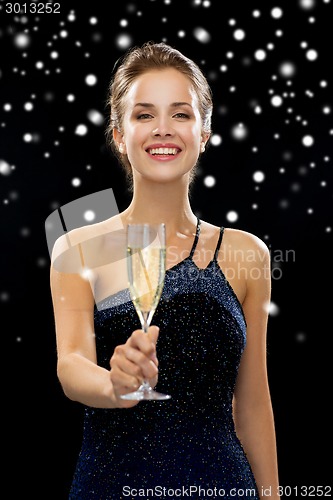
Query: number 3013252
[[32, 8]]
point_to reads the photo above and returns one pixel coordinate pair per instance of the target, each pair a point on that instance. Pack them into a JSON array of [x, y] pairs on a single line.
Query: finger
[[134, 362], [123, 382], [147, 365], [143, 342], [153, 333], [124, 374], [125, 365]]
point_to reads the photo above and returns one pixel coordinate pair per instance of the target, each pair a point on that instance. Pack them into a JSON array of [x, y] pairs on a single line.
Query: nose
[[164, 129], [161, 132]]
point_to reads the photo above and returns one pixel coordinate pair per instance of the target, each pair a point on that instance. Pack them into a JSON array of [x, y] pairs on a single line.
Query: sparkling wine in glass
[[146, 258]]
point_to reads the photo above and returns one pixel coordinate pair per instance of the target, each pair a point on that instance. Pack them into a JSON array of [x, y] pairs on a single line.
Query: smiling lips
[[163, 151]]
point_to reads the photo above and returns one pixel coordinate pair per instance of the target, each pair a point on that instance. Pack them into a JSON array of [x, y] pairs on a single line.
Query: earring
[[202, 149], [121, 147]]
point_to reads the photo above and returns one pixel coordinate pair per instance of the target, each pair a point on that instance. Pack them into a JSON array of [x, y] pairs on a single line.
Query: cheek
[[135, 135], [196, 131], [195, 136]]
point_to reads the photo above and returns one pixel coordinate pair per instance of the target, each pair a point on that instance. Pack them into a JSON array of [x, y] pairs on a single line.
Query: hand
[[133, 362]]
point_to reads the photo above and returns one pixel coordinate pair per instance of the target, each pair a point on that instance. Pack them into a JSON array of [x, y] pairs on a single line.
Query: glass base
[[144, 393]]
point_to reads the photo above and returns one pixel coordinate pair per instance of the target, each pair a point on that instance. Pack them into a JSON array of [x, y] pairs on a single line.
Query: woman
[[215, 436]]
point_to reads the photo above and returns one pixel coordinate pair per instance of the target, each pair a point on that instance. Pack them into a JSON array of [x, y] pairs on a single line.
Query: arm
[[252, 403], [81, 378]]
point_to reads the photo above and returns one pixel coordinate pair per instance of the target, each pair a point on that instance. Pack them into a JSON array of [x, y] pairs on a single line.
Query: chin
[[169, 179]]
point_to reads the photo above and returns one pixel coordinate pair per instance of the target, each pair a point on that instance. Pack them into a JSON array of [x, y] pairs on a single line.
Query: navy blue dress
[[185, 446]]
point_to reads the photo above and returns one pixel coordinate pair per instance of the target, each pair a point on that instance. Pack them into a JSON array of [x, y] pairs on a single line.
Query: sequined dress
[[187, 446]]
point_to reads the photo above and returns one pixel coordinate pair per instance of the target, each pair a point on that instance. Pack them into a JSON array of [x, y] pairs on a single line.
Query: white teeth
[[163, 151]]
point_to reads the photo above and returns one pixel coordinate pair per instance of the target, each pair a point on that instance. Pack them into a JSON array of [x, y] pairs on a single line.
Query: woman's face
[[162, 129]]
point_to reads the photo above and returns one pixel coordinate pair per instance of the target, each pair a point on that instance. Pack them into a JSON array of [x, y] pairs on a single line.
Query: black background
[[293, 214]]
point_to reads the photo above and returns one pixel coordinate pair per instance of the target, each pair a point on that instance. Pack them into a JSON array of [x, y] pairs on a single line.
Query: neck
[[155, 202]]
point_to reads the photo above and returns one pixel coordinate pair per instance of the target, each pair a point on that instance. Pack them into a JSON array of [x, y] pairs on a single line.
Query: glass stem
[[145, 323], [145, 386]]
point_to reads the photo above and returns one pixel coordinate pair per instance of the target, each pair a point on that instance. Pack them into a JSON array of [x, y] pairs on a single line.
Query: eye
[[144, 116], [182, 116]]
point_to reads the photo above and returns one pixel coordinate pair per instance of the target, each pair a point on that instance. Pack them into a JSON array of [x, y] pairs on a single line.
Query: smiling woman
[[208, 345]]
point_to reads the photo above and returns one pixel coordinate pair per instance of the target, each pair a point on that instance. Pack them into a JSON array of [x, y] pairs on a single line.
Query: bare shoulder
[[250, 255], [239, 238], [237, 241], [75, 245]]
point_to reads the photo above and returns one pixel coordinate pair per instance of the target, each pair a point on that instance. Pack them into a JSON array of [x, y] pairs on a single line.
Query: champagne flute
[[146, 256]]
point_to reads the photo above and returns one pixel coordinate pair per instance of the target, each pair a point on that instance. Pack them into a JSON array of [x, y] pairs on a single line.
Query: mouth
[[163, 151]]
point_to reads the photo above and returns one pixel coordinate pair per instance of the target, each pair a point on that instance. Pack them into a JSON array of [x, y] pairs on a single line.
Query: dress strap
[[196, 239], [219, 243]]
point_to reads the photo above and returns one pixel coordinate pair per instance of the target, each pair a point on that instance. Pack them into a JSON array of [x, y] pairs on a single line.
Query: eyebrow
[[173, 105]]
